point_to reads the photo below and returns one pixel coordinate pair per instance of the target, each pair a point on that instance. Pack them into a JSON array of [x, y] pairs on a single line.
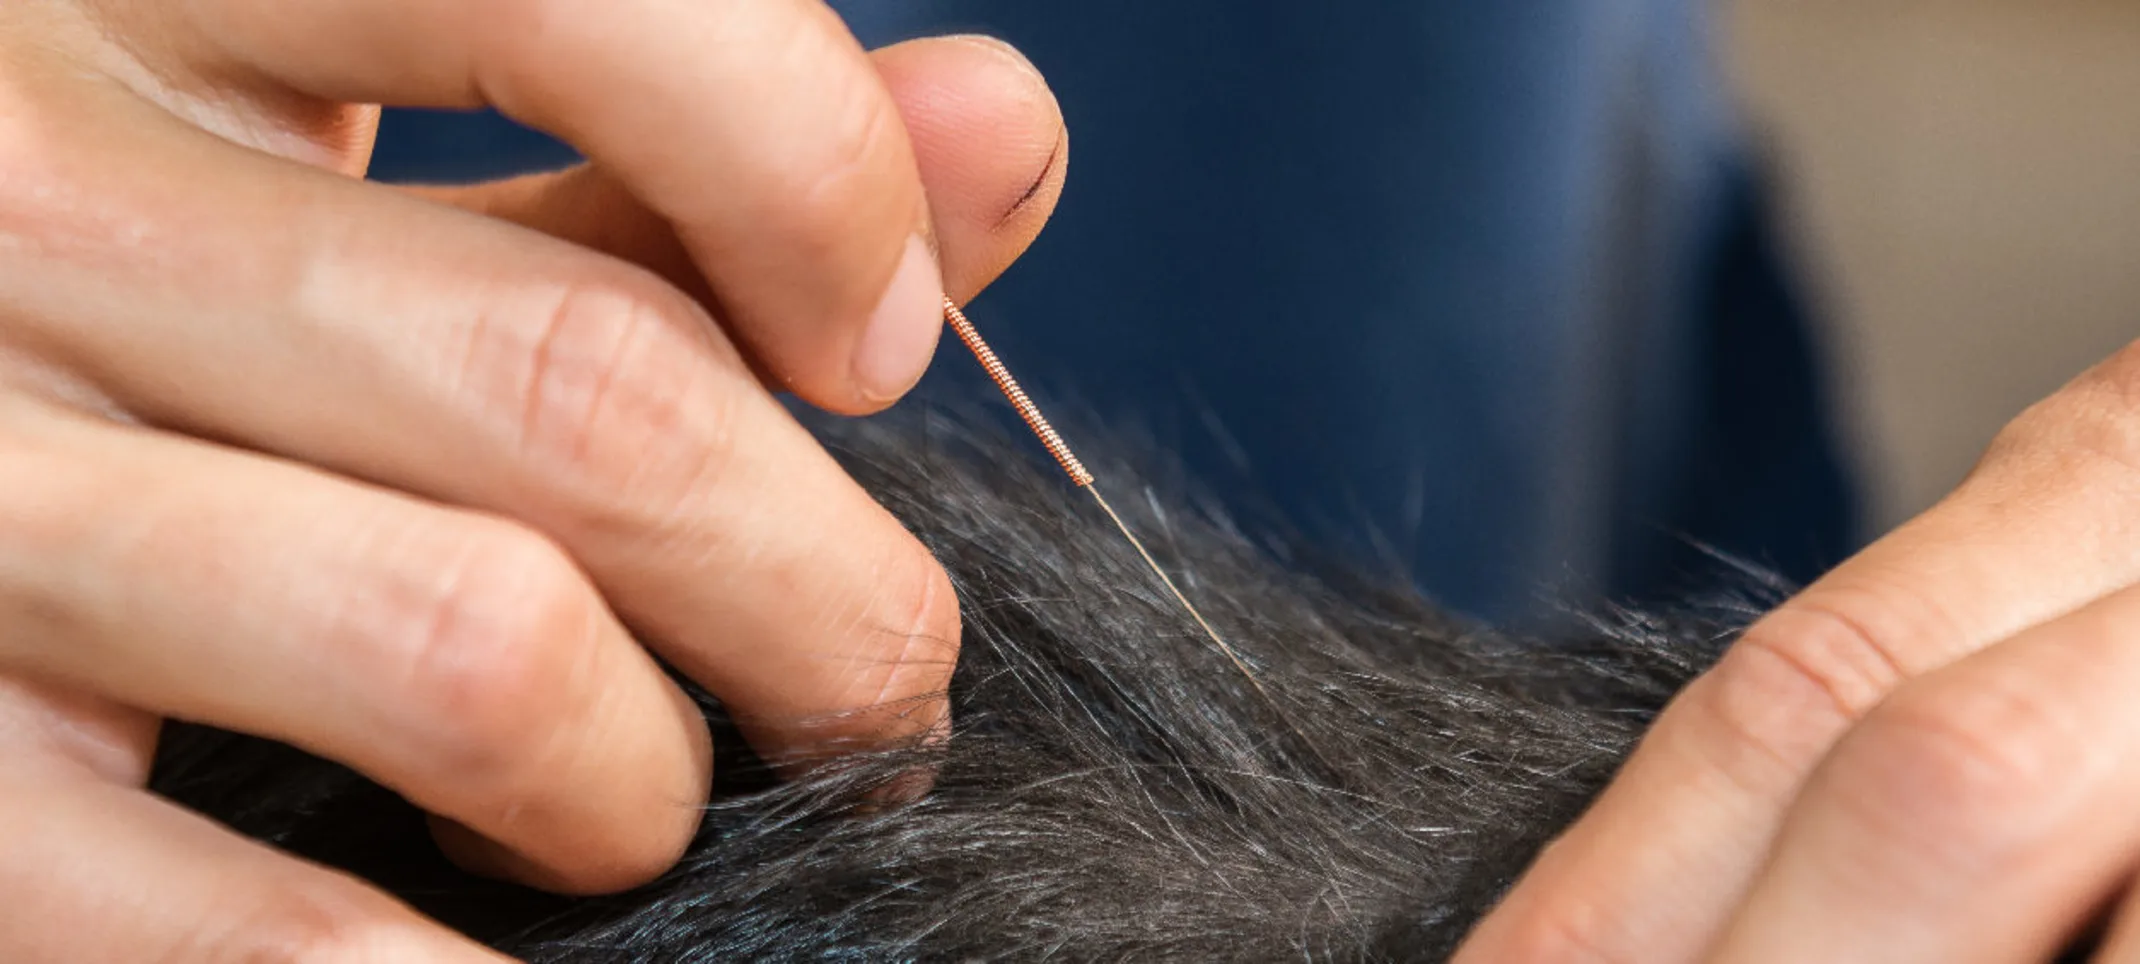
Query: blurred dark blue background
[[1479, 292]]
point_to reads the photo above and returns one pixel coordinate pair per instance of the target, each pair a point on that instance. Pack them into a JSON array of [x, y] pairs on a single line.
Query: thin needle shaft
[[1083, 478], [1138, 544]]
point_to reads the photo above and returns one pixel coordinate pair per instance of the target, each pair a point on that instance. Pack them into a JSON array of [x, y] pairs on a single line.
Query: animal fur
[[1114, 788]]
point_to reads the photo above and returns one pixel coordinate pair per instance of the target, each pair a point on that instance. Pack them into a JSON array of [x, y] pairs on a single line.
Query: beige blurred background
[[1964, 184]]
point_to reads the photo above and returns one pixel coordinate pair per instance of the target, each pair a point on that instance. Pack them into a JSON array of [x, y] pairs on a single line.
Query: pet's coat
[[1114, 789]]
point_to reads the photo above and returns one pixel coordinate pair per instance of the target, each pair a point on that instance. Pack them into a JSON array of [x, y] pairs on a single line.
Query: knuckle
[[2093, 419], [850, 182], [500, 651], [1839, 643], [517, 46], [1958, 771], [609, 388], [1800, 678], [839, 177], [2118, 376]]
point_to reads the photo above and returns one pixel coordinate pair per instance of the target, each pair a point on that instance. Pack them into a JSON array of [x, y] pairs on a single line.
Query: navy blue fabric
[[1453, 285], [457, 147]]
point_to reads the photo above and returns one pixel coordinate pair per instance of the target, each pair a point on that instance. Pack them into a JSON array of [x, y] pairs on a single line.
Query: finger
[[987, 135], [112, 742], [1982, 813], [759, 129], [90, 871], [488, 366], [2044, 526], [2119, 941], [990, 141], [460, 660]]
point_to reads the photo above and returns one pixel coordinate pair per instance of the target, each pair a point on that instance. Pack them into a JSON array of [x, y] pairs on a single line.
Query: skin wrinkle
[[1112, 788], [145, 48], [106, 741], [1047, 173]]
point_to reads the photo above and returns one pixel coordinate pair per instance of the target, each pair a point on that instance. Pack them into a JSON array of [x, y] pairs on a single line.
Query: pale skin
[[1931, 754], [388, 474], [404, 477]]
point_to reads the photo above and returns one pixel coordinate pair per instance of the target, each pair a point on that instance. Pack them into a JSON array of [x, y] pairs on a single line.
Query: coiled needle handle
[[1078, 473]]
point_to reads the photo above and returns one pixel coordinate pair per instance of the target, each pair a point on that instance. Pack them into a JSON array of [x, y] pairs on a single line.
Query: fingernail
[[901, 338], [999, 46]]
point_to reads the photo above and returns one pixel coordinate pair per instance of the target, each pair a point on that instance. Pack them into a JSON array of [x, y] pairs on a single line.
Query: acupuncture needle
[[1056, 447]]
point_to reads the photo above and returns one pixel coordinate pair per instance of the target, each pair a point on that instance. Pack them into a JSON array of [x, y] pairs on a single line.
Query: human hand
[[1931, 754], [386, 474]]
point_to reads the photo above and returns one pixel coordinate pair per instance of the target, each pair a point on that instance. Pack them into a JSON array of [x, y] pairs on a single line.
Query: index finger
[[2044, 526], [758, 127]]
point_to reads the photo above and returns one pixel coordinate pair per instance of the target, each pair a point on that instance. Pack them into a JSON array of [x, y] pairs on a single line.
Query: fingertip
[[915, 700], [600, 874], [919, 689], [1025, 107], [989, 139], [888, 690], [649, 814], [915, 782]]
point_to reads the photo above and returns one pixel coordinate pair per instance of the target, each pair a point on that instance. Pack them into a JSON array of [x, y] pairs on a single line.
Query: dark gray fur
[[1115, 790]]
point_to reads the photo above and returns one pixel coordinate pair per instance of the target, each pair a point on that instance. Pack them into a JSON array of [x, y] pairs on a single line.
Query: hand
[[1932, 754], [387, 474]]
